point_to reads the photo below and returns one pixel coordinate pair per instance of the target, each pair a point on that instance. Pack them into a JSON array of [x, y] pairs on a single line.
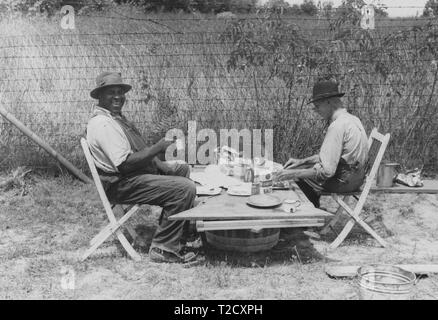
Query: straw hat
[[107, 79], [325, 89]]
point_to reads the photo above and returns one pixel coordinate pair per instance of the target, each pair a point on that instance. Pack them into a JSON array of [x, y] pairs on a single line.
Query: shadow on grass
[[293, 247], [357, 235]]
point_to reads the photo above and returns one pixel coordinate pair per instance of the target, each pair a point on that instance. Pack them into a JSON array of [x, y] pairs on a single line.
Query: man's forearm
[[294, 174], [163, 166], [312, 160], [138, 160]]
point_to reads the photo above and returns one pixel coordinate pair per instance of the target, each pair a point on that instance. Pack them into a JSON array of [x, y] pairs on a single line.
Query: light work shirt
[[345, 138], [108, 143]]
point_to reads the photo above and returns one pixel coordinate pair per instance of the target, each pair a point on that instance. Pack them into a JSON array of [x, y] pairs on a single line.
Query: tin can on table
[[386, 174], [255, 187], [266, 183]]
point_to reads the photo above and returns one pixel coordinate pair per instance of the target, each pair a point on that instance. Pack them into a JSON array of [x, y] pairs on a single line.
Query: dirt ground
[[47, 222]]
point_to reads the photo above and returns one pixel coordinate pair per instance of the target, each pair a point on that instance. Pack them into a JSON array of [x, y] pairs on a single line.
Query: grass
[[178, 68], [45, 231]]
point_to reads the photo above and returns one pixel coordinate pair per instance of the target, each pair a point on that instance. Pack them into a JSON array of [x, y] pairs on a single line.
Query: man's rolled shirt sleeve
[[115, 145], [330, 153], [111, 141]]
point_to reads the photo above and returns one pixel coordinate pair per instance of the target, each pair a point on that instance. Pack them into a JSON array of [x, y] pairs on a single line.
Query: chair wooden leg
[[334, 220], [125, 243], [354, 214], [104, 233], [110, 229], [122, 239], [128, 227], [98, 240], [372, 233], [344, 233]]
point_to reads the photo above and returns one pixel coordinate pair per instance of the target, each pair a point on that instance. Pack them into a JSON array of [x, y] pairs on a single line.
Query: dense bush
[[204, 6], [48, 7], [431, 8], [308, 7]]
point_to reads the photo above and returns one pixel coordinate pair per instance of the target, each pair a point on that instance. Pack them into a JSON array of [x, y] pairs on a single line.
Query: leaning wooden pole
[[75, 171]]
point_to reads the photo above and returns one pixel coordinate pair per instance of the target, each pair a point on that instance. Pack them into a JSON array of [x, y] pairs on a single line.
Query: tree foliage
[[49, 7], [30, 6], [374, 67], [431, 8], [348, 6], [204, 6], [308, 7], [274, 4]]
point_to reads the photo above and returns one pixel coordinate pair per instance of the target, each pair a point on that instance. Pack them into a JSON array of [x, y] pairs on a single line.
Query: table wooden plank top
[[227, 207]]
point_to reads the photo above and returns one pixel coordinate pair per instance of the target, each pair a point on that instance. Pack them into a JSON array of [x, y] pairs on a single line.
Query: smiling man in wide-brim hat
[[108, 79], [340, 165], [132, 173]]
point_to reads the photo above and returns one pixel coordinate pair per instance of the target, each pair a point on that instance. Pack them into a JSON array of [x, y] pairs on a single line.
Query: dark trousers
[[174, 192], [348, 178], [309, 192]]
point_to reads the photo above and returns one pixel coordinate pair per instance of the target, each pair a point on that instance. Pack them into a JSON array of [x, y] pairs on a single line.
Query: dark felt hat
[[325, 89], [107, 79]]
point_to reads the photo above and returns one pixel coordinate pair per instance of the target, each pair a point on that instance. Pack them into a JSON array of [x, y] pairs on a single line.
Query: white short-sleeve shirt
[[108, 143]]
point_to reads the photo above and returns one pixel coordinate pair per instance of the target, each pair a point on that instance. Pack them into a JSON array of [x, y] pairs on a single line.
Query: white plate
[[243, 190], [264, 201], [207, 191]]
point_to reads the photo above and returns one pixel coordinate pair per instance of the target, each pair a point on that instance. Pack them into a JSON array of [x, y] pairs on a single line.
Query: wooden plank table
[[226, 207], [226, 212]]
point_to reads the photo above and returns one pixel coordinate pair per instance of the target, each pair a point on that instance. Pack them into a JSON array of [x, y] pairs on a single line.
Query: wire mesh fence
[[256, 71]]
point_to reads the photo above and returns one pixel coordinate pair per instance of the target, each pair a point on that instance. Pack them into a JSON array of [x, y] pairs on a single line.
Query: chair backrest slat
[[377, 145], [97, 182], [372, 154]]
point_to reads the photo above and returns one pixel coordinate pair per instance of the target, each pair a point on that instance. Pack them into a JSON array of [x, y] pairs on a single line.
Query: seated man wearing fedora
[[340, 165], [132, 173]]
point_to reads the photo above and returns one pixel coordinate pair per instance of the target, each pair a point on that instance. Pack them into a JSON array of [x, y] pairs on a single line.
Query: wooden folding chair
[[377, 146], [115, 226]]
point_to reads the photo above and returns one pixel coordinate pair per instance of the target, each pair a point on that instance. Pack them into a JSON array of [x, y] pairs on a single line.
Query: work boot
[[158, 255]]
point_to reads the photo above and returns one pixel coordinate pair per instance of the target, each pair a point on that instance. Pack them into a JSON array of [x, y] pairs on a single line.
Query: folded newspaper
[[411, 178]]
